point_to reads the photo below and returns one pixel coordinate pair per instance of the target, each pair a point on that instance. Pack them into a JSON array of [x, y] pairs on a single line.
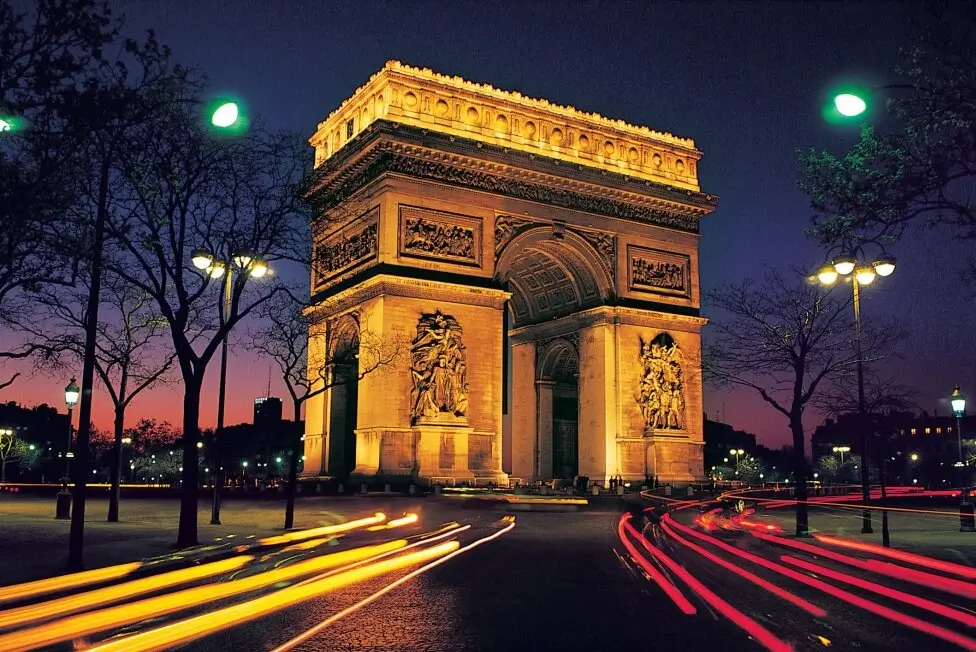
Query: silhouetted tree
[[309, 371], [45, 56], [921, 172], [786, 339]]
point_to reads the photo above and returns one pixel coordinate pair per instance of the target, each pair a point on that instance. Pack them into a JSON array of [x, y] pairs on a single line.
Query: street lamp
[[62, 509], [251, 265], [958, 402], [852, 263], [737, 452], [842, 450]]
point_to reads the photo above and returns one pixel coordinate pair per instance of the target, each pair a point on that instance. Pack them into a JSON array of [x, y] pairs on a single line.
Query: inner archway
[[559, 373], [551, 274], [344, 396]]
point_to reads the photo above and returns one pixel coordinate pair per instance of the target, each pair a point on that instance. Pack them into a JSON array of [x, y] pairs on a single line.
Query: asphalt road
[[554, 583], [543, 581]]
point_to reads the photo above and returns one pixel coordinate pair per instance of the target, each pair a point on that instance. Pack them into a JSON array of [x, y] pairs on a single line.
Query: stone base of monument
[[444, 452]]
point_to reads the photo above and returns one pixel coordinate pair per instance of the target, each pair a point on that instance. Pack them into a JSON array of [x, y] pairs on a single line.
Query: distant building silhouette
[[267, 412]]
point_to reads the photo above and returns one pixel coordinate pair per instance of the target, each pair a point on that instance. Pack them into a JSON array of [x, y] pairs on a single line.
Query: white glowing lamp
[[865, 274]]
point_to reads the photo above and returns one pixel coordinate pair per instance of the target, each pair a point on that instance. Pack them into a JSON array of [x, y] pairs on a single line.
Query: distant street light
[[251, 265], [958, 402], [842, 450], [914, 457], [852, 263], [62, 509], [737, 452]]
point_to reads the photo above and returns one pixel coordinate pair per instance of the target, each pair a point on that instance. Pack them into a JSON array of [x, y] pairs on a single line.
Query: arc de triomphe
[[466, 222]]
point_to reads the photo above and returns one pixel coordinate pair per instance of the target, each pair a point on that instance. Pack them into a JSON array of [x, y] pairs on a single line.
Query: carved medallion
[[438, 369], [443, 236], [659, 272], [661, 391], [343, 252]]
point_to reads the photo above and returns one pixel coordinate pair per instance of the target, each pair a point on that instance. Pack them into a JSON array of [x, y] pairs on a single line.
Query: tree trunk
[[293, 455], [191, 469], [113, 498], [800, 474], [3, 470]]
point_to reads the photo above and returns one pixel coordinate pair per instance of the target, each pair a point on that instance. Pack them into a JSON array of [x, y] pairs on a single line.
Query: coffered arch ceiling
[[550, 277]]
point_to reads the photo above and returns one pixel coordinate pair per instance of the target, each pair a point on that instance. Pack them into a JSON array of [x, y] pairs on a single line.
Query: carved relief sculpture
[[438, 370], [661, 395], [336, 255], [439, 239], [506, 228], [658, 274]]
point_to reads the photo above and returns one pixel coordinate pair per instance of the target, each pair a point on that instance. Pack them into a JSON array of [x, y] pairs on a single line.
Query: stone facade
[[437, 223]]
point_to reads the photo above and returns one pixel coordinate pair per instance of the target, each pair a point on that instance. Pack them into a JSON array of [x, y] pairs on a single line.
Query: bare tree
[[129, 353], [45, 55], [787, 340], [183, 189], [310, 371]]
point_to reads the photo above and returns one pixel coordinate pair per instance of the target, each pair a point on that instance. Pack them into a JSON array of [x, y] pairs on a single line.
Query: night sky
[[745, 80]]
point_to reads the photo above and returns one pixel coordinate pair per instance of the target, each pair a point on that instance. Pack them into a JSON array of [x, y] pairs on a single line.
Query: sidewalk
[[935, 535], [34, 544]]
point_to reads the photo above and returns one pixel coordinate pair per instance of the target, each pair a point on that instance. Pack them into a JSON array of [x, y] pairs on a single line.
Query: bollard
[[691, 490], [386, 488], [413, 489], [341, 489], [437, 489], [967, 521], [620, 490], [62, 510], [545, 490], [595, 489], [667, 490], [363, 489], [569, 491]]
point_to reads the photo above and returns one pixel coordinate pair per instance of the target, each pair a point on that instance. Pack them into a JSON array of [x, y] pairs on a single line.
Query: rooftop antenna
[[269, 382]]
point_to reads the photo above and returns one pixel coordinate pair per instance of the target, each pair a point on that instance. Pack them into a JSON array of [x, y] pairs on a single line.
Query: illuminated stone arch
[[552, 274]]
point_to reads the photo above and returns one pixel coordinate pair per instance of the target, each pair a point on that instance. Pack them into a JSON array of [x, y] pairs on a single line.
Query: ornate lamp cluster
[[865, 272], [207, 261]]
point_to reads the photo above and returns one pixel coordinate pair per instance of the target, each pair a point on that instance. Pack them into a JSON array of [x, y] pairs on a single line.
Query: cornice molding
[[389, 148], [436, 291]]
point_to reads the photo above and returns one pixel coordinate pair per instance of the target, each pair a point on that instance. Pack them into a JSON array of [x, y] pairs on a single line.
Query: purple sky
[[745, 80]]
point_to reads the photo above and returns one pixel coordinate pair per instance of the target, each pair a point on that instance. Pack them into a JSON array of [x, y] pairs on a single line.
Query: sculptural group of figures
[[438, 369], [661, 396], [441, 239]]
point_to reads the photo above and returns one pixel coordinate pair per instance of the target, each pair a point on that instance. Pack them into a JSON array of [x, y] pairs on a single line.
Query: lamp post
[[958, 402], [737, 452], [248, 264], [842, 450], [854, 265], [62, 510], [125, 442]]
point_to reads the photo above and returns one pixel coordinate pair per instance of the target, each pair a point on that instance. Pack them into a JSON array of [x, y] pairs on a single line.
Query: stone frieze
[[342, 252], [659, 272], [439, 235]]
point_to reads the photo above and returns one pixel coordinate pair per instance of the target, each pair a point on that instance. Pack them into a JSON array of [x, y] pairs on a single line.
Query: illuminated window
[[928, 431], [349, 128], [914, 431], [938, 431], [949, 430], [902, 431]]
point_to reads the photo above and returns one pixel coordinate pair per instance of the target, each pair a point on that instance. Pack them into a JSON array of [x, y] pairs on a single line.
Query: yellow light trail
[[397, 522], [301, 535], [85, 601], [191, 629], [304, 636], [40, 587], [125, 614]]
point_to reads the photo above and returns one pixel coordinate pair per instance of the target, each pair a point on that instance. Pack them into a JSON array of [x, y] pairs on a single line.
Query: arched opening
[[343, 396], [551, 274], [559, 373]]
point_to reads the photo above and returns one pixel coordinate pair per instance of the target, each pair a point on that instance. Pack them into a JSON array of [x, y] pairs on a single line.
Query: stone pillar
[[544, 424], [523, 411], [598, 389], [316, 447], [336, 427]]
